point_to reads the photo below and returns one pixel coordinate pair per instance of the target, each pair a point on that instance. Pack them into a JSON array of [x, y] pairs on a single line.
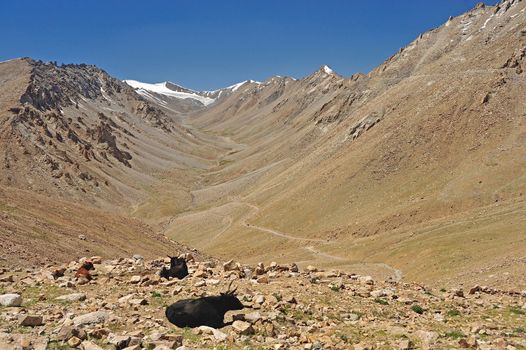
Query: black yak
[[206, 311], [178, 268]]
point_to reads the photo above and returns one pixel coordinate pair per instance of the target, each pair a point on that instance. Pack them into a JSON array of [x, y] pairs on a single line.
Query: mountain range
[[414, 170]]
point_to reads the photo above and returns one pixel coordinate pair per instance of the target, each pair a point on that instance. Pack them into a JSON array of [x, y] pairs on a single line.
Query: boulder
[[30, 320], [91, 318], [10, 300]]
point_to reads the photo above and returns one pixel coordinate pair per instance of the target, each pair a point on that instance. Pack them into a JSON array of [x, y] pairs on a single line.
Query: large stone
[[30, 320], [120, 341], [10, 300], [72, 297], [66, 332], [217, 334], [91, 318]]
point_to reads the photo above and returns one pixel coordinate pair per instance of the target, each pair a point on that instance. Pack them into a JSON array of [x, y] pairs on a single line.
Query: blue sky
[[210, 44]]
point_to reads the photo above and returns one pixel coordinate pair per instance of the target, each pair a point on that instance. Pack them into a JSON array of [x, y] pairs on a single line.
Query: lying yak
[[206, 311], [178, 268], [84, 270]]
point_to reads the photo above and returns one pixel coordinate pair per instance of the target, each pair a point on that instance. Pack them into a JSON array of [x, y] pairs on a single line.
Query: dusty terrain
[[124, 306]]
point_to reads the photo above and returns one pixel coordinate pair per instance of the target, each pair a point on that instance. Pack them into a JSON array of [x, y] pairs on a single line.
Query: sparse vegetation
[[455, 334], [418, 309], [453, 313]]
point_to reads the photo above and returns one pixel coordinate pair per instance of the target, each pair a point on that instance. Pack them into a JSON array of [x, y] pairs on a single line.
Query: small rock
[[201, 283], [82, 237], [229, 266], [263, 280], [138, 301], [218, 335], [368, 280], [120, 341], [260, 299], [458, 292], [212, 282], [87, 345], [25, 343], [242, 327], [72, 297], [405, 344], [253, 317], [10, 300], [133, 347], [427, 338], [66, 332], [135, 279], [74, 342], [99, 333], [311, 268]]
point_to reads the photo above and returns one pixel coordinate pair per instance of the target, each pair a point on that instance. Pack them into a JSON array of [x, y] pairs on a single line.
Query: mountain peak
[[326, 69]]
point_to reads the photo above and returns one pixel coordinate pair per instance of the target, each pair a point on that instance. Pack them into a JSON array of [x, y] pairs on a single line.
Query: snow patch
[[162, 89], [327, 69]]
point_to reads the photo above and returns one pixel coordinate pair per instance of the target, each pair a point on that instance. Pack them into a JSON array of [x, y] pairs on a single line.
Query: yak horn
[[229, 285]]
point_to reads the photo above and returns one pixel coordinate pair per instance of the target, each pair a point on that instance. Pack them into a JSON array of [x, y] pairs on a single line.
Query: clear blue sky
[[207, 44]]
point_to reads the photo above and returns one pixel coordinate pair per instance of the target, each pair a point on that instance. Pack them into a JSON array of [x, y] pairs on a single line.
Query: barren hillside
[[414, 170]]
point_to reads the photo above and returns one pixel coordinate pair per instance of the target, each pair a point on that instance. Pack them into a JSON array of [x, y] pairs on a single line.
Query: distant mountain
[[180, 99]]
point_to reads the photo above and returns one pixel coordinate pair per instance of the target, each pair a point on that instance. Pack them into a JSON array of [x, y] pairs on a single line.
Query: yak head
[[88, 265], [177, 262], [230, 300]]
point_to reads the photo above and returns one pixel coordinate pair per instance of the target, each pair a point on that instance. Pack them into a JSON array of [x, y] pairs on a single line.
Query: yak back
[[207, 311]]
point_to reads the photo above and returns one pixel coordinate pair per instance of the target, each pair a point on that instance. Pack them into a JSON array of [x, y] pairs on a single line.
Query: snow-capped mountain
[[180, 99]]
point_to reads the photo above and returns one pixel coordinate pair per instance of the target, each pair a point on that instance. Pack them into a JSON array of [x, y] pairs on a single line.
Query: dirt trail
[[397, 275]]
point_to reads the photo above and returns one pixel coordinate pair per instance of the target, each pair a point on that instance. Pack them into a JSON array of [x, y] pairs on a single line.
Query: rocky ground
[[123, 307]]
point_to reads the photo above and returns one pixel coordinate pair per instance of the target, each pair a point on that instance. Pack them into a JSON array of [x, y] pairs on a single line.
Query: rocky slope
[[73, 129], [123, 307], [79, 147], [418, 164]]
